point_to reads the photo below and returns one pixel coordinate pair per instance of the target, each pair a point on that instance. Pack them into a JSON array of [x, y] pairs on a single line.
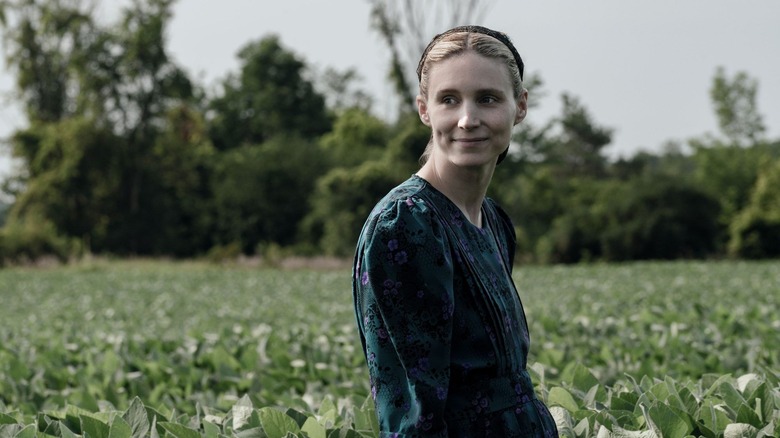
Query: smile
[[470, 140]]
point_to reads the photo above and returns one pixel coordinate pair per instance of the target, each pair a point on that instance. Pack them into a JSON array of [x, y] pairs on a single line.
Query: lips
[[471, 140]]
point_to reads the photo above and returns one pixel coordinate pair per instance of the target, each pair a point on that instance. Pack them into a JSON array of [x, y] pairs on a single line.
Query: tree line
[[124, 154]]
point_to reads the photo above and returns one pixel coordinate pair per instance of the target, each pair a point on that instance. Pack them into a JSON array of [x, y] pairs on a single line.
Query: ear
[[422, 110], [522, 106]]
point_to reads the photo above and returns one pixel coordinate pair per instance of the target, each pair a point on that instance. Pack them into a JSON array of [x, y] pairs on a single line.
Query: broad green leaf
[[714, 382], [26, 432], [326, 406], [731, 396], [364, 419], [120, 429], [563, 420], [668, 422], [745, 414], [276, 423], [368, 408], [744, 380], [210, 430], [9, 430], [179, 430], [251, 432], [298, 416], [65, 432], [595, 397], [625, 401], [618, 432], [136, 416], [7, 419], [93, 427], [561, 397], [242, 412], [660, 392], [582, 428], [313, 428], [688, 400], [714, 418], [579, 377], [740, 430]]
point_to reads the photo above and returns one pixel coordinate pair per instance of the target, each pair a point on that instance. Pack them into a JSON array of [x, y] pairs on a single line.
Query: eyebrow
[[479, 91]]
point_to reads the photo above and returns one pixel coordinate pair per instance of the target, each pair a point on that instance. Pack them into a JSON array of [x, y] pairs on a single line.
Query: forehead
[[469, 71]]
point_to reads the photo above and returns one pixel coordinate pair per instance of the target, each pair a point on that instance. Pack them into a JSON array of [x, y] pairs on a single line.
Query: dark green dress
[[441, 323]]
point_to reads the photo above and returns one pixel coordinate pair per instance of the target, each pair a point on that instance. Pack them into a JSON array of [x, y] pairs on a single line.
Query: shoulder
[[405, 207]]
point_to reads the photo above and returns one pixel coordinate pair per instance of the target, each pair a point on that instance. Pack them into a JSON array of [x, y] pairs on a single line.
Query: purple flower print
[[424, 422], [420, 293], [455, 219], [392, 245], [409, 202], [400, 257], [382, 333], [424, 363], [448, 308], [479, 402], [364, 278], [441, 393], [373, 392]]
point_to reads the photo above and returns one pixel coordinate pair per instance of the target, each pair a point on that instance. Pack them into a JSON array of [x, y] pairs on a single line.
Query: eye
[[488, 99], [449, 100]]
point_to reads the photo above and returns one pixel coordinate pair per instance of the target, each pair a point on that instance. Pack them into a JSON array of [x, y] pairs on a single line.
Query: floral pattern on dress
[[440, 320]]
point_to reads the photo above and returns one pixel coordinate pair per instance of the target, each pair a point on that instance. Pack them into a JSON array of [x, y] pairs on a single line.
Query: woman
[[442, 326]]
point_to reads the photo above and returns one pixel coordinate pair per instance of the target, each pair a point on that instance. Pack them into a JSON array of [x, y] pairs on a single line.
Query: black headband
[[473, 29]]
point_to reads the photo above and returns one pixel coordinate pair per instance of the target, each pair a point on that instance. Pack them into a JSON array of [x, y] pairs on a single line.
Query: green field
[[190, 350]]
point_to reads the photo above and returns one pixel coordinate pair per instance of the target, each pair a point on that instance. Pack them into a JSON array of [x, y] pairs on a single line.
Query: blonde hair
[[472, 38]]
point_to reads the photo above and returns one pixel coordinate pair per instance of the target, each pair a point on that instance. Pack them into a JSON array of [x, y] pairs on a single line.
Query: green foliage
[[577, 148], [651, 219], [734, 101], [357, 136], [729, 173], [261, 191], [32, 238], [270, 97], [171, 349], [4, 208], [73, 177], [755, 232], [342, 201]]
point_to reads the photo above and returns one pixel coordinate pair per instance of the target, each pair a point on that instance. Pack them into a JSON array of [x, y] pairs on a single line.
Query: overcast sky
[[642, 68]]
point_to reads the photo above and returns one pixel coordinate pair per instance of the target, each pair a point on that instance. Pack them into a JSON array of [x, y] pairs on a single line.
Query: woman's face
[[471, 109]]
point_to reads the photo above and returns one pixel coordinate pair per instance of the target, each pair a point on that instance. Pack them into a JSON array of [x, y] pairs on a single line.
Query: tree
[[755, 231], [734, 101], [99, 101], [261, 192], [577, 148], [271, 96], [728, 167], [340, 92], [342, 201], [357, 136]]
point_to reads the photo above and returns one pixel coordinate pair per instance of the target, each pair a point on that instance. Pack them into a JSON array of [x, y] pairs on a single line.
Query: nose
[[469, 117]]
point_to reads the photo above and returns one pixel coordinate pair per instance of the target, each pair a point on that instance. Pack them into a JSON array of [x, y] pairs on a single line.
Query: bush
[[33, 238], [755, 231]]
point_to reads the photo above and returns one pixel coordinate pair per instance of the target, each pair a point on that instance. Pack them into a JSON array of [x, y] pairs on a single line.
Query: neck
[[464, 186]]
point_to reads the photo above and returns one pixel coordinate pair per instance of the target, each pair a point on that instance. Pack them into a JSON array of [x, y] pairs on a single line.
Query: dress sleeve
[[403, 290]]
